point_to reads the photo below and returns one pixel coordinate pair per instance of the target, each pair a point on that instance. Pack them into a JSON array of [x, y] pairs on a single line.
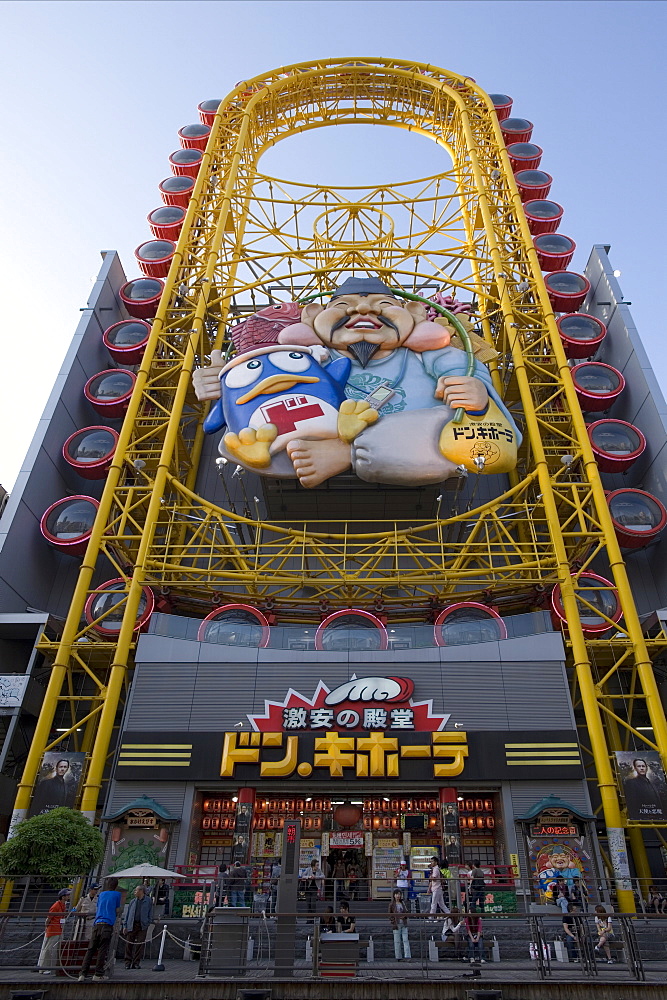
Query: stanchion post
[[159, 967]]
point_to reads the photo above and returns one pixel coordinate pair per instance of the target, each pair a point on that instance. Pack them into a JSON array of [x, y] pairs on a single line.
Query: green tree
[[57, 845]]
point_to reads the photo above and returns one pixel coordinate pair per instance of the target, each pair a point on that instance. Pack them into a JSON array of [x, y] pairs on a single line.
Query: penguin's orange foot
[[252, 447]]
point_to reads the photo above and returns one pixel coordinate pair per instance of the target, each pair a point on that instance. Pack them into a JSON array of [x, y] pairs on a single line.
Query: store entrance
[[346, 875]]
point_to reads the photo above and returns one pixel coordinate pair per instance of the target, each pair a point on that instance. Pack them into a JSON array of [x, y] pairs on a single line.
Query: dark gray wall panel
[[170, 692]]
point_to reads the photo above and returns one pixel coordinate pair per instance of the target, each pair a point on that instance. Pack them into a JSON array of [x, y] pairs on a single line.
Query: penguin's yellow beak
[[275, 383]]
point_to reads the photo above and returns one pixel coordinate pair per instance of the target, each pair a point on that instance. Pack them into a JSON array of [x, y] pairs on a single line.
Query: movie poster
[[57, 782], [644, 786]]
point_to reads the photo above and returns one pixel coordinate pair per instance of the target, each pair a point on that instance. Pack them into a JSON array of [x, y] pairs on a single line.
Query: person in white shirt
[[313, 877], [453, 927], [435, 888], [403, 876]]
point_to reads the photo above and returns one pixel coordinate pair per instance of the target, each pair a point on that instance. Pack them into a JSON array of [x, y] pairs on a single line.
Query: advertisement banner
[[346, 838], [58, 781], [644, 786]]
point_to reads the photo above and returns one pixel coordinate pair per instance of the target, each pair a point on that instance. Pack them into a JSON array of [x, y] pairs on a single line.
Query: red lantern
[[347, 815]]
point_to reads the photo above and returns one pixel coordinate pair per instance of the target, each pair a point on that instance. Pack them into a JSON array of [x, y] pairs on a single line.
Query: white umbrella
[[145, 870]]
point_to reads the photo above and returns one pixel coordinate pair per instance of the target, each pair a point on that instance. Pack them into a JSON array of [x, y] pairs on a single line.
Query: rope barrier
[[24, 945]]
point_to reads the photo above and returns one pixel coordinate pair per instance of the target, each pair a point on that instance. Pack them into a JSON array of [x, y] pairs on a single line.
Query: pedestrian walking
[[108, 911], [436, 889], [49, 955]]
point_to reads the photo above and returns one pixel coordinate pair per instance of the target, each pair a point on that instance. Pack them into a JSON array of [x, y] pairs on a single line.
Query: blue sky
[[95, 92]]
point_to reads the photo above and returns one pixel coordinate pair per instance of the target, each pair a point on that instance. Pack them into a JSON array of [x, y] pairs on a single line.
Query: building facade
[[410, 591]]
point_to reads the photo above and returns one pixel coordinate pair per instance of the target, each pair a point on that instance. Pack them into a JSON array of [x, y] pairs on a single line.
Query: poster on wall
[[644, 786], [12, 691], [58, 781], [241, 842]]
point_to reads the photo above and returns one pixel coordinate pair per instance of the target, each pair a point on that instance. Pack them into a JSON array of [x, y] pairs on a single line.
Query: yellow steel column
[[606, 783]]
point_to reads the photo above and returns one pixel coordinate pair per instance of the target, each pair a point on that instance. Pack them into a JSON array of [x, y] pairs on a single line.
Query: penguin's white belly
[[296, 415]]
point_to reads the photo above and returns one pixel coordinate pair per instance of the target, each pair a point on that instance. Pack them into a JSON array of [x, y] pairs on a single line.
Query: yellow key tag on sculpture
[[489, 438]]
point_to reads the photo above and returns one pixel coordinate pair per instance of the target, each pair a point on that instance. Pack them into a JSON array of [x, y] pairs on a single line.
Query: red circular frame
[[537, 223], [196, 142], [515, 134], [550, 261], [633, 539], [567, 301], [113, 407], [519, 162], [581, 348], [91, 470], [185, 169], [611, 463], [166, 230], [132, 353], [142, 621], [71, 546], [384, 638], [207, 117], [558, 614], [215, 616], [591, 402], [155, 267], [141, 308], [179, 198], [503, 110], [490, 613], [533, 192]]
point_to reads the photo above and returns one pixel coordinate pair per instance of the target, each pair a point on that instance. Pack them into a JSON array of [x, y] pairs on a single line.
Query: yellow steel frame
[[249, 240]]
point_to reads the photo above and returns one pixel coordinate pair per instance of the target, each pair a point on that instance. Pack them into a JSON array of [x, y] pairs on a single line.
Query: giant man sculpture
[[367, 381]]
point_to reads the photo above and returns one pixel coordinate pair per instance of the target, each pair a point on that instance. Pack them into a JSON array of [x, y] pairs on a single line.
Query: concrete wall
[[643, 404], [32, 573]]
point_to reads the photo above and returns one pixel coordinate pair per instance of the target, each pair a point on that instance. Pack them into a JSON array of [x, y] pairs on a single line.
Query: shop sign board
[[191, 902], [436, 755], [346, 838], [369, 703]]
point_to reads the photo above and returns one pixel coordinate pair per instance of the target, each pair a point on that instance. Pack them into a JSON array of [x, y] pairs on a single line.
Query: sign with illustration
[[374, 703], [58, 781], [376, 379], [644, 786], [12, 691]]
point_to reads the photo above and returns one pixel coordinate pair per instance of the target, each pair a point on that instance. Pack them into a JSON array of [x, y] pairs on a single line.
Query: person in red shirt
[[50, 953], [475, 935]]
